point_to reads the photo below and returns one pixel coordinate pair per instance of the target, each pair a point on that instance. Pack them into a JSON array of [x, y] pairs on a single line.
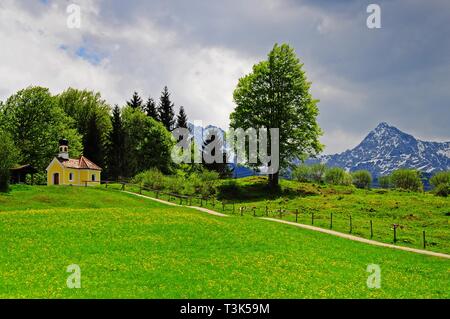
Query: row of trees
[[407, 179], [412, 180], [163, 112], [320, 173], [124, 141]]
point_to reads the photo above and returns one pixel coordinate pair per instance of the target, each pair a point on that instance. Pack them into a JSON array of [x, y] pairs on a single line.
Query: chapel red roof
[[79, 163]]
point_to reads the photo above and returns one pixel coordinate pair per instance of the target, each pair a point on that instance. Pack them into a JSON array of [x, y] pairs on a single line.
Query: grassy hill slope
[[132, 247]]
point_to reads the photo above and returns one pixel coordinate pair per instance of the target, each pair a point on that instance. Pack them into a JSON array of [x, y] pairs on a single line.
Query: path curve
[[360, 239], [202, 209]]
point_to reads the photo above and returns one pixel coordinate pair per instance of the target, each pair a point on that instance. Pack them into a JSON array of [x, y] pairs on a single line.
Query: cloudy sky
[[399, 74]]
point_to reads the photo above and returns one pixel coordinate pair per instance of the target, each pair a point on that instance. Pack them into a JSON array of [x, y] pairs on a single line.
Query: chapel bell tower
[[63, 149]]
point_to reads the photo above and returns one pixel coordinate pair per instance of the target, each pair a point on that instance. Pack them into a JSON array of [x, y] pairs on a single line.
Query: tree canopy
[[92, 120], [36, 122], [276, 94]]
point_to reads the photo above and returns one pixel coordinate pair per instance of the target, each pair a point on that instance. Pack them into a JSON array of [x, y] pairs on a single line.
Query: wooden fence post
[[140, 188], [254, 212], [267, 211], [312, 218], [223, 207], [424, 240], [351, 224], [296, 215], [331, 220], [395, 232], [371, 229]]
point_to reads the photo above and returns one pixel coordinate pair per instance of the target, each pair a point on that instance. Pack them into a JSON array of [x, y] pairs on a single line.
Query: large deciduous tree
[[147, 143], [92, 119], [276, 94], [9, 155], [35, 123]]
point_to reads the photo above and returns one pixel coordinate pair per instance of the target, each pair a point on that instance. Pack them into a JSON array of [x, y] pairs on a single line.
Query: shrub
[[229, 188], [384, 181], [442, 190], [208, 181], [337, 176], [302, 173], [317, 172], [407, 179], [151, 178], [362, 179], [39, 178], [440, 178]]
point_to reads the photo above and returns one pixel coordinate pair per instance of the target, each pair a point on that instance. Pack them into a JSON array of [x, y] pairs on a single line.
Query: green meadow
[[131, 247]]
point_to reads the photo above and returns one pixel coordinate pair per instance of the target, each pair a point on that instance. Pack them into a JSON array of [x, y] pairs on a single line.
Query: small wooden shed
[[19, 173]]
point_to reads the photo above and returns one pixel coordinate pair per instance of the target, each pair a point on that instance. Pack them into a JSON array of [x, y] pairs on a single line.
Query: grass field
[[129, 247], [413, 212]]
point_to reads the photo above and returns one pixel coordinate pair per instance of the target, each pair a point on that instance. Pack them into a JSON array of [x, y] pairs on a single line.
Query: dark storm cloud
[[398, 74]]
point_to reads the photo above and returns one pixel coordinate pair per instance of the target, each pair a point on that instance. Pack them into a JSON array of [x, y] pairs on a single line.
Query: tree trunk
[[273, 180]]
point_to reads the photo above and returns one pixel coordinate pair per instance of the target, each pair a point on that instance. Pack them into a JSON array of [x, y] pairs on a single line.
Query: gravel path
[[202, 209], [355, 238]]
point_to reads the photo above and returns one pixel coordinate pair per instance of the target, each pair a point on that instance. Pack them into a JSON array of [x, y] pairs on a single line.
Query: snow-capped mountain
[[200, 134], [386, 149]]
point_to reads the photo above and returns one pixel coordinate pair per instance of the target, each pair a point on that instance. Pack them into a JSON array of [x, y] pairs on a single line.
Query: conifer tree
[[182, 118], [165, 110], [150, 109], [116, 147], [93, 143], [135, 102]]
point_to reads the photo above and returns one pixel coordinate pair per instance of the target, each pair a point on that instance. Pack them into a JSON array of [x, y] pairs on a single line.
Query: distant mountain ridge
[[386, 149]]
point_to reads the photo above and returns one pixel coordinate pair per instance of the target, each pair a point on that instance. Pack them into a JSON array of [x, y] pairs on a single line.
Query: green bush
[[317, 172], [197, 184], [151, 178], [38, 179], [362, 179], [407, 179], [229, 188], [302, 173], [442, 190], [337, 176], [384, 181], [440, 178], [309, 173]]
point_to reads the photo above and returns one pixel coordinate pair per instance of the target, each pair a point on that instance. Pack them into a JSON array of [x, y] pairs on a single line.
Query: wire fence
[[370, 228]]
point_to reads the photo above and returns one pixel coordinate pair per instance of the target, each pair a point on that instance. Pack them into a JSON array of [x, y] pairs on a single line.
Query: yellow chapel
[[63, 170]]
